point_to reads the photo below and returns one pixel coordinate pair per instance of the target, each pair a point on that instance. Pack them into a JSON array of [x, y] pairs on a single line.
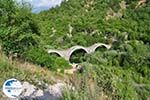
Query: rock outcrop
[[53, 92]]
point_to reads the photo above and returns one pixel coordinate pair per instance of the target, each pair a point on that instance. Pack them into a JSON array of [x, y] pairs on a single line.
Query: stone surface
[[75, 68], [53, 92], [68, 52]]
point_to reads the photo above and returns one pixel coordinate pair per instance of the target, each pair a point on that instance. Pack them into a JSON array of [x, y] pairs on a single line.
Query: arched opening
[[54, 54], [77, 56], [101, 48]]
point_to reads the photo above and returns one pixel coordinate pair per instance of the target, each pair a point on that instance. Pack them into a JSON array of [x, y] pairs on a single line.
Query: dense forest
[[120, 73]]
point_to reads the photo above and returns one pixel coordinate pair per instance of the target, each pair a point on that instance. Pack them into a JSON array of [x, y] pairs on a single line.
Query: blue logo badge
[[12, 88]]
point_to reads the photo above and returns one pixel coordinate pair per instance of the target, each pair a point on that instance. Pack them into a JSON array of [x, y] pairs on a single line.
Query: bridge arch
[[67, 54], [75, 48], [55, 52], [100, 45], [77, 56]]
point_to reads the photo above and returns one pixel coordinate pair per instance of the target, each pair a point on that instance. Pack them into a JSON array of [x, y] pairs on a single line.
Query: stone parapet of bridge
[[66, 54]]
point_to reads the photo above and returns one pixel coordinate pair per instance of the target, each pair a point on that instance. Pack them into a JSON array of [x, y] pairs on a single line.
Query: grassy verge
[[25, 71]]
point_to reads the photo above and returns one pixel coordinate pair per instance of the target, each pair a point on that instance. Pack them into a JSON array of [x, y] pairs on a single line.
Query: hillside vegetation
[[120, 73]]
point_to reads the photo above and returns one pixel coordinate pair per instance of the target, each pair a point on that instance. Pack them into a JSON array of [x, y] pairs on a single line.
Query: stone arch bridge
[[66, 54]]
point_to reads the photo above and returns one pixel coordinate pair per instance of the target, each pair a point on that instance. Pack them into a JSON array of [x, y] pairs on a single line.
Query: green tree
[[18, 30]]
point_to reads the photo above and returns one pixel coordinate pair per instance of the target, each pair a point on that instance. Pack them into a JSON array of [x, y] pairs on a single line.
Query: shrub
[[41, 57], [94, 83], [18, 29], [60, 63]]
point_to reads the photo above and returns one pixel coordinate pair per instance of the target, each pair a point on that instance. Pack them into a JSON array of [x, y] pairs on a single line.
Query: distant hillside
[[88, 21]]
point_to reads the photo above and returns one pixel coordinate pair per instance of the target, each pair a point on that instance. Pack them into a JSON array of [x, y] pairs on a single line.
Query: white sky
[[43, 4]]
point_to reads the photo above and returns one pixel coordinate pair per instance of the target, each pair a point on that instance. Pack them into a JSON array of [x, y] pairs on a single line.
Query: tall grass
[[96, 83]]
